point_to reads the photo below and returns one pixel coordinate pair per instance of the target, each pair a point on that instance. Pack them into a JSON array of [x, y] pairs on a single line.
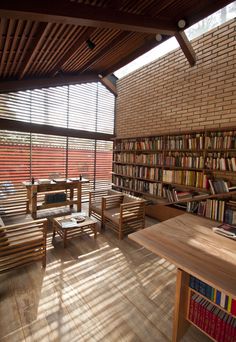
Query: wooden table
[[34, 189], [77, 230], [188, 242]]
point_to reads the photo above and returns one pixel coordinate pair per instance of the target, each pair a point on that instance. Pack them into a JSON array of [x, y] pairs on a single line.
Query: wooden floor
[[94, 290]]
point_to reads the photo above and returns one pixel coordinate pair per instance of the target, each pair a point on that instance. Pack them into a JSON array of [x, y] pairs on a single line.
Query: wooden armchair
[[95, 201], [22, 243], [123, 214]]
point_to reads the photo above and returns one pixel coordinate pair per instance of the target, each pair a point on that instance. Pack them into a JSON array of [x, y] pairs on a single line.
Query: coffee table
[[68, 228]]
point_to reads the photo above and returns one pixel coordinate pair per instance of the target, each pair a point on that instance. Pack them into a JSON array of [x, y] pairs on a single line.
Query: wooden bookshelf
[[182, 161]]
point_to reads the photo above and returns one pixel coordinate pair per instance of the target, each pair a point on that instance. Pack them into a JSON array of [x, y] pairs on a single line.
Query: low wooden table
[[76, 229]]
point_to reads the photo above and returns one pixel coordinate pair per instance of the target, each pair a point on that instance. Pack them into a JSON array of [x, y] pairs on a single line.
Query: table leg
[[64, 237], [79, 197], [95, 230], [54, 229], [71, 197]]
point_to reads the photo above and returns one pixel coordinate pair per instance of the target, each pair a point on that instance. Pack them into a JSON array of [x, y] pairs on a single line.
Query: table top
[[66, 219], [52, 182], [189, 242]]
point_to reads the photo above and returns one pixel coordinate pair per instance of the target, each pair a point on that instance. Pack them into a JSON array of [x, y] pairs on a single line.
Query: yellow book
[[229, 304]]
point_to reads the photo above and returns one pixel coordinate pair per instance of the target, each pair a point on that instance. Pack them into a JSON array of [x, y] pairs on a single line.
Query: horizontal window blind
[[88, 107]]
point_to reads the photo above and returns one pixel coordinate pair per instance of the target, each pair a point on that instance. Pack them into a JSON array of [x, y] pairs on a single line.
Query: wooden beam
[[65, 12], [135, 54], [72, 50], [34, 47], [105, 50], [186, 47], [19, 126], [111, 86], [37, 83]]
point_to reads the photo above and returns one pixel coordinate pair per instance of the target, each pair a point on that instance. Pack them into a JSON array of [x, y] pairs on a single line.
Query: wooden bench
[[22, 243]]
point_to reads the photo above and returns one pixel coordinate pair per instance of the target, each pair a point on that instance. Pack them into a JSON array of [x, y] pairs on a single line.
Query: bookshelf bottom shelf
[[204, 332]]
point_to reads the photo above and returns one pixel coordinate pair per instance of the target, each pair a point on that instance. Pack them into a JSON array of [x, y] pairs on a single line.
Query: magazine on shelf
[[227, 230]]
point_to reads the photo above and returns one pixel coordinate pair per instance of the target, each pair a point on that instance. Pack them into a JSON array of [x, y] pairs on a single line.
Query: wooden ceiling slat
[[22, 47], [60, 49], [72, 50], [105, 50], [41, 50], [13, 47], [34, 47], [6, 46], [101, 38], [49, 46]]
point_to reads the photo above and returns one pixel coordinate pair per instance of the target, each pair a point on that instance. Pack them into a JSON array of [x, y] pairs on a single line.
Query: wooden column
[[180, 324]]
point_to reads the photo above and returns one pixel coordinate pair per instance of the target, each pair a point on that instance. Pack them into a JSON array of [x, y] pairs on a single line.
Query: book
[[226, 230]]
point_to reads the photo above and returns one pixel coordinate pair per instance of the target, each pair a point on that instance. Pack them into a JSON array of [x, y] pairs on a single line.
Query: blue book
[[202, 287], [192, 282], [218, 297], [197, 284], [208, 291]]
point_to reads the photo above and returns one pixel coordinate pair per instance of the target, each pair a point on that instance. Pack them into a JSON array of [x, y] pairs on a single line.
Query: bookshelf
[[176, 168]]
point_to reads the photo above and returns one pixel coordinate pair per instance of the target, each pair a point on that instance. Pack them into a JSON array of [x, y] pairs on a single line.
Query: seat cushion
[[113, 215]]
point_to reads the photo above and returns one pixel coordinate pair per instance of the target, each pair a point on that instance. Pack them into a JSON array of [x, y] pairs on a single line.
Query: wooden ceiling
[[44, 42]]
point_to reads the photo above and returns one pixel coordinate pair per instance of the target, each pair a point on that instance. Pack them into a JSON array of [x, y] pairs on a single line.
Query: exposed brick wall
[[169, 95]]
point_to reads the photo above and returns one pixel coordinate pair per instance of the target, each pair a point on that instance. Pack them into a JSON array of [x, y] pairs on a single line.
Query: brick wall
[[169, 95]]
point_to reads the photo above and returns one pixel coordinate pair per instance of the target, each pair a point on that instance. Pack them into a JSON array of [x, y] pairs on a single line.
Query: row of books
[[124, 158], [151, 159], [215, 322], [155, 143], [217, 162], [218, 297], [183, 159], [220, 140], [185, 142], [173, 194], [212, 209], [138, 185], [185, 177], [151, 173], [219, 186]]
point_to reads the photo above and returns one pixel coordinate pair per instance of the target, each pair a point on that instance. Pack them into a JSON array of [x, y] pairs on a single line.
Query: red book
[[208, 317], [192, 306], [219, 325], [214, 315], [196, 309], [233, 307]]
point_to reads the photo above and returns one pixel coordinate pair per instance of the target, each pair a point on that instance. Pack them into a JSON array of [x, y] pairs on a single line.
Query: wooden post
[[180, 324], [71, 197], [34, 201], [79, 196]]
